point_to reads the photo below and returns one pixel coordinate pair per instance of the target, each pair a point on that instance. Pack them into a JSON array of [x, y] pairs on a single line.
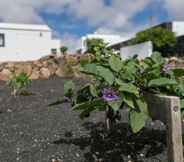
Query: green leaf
[[129, 100], [89, 69], [115, 105], [106, 74], [154, 72], [88, 104], [178, 72], [115, 63], [69, 86], [157, 58], [93, 90], [160, 82], [142, 105], [137, 120], [119, 81], [128, 87]]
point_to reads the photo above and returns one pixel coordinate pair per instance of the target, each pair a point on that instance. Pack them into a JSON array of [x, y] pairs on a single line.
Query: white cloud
[[175, 8], [70, 41], [115, 18], [27, 11], [95, 11]]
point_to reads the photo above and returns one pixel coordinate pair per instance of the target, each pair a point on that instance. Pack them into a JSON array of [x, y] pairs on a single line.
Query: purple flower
[[109, 94], [166, 68]]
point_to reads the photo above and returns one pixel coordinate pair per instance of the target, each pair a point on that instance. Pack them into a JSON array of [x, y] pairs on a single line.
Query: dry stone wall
[[64, 66], [43, 68], [177, 62]]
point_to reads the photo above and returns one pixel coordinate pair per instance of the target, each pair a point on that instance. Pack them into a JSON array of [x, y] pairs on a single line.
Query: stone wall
[[64, 66], [177, 62], [42, 69]]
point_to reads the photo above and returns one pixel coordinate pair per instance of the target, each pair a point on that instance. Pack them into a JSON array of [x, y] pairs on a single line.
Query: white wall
[[178, 28], [24, 45], [142, 50]]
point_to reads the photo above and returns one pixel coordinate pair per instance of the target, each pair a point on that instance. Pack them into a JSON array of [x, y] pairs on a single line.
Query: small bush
[[19, 83], [63, 50], [85, 59], [70, 60]]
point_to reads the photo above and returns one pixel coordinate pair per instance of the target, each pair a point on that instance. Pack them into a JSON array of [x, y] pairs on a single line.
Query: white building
[[107, 38], [146, 48], [24, 42], [142, 50], [177, 27]]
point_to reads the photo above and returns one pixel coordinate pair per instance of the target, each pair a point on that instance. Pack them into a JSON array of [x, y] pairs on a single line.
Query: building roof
[[14, 26], [117, 45]]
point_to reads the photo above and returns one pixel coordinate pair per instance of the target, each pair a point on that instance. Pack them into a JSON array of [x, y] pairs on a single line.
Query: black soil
[[31, 131]]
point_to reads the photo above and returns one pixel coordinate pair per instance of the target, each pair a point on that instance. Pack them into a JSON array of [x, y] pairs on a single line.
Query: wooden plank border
[[167, 110]]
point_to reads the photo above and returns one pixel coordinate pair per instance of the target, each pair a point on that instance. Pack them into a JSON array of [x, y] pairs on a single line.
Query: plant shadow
[[117, 145], [26, 93]]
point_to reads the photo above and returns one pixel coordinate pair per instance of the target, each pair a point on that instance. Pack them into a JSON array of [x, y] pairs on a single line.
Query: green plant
[[116, 83], [63, 50], [19, 83], [163, 40], [95, 45]]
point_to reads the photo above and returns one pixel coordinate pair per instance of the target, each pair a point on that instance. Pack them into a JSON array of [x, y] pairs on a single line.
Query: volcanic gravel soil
[[31, 131]]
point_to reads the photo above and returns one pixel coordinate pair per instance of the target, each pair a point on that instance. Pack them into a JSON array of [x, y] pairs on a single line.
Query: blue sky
[[71, 19], [64, 24]]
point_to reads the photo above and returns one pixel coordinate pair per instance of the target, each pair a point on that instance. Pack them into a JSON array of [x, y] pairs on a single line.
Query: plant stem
[[109, 118]]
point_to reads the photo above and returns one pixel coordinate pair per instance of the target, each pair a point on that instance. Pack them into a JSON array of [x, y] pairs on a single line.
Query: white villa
[[25, 42], [145, 49]]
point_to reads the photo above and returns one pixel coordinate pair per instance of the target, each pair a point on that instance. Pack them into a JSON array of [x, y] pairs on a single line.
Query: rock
[[174, 59], [10, 66], [23, 68], [45, 63], [45, 58], [5, 74], [77, 155], [45, 73], [42, 68], [37, 64], [59, 72], [34, 75], [56, 160], [71, 60], [141, 155], [2, 66], [76, 71], [52, 68]]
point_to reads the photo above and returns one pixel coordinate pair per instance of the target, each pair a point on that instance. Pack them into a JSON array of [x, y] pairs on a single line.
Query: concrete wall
[[142, 50], [178, 28], [24, 45]]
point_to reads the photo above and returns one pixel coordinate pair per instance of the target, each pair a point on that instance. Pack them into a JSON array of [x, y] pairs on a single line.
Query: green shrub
[[163, 40], [63, 49], [19, 83], [86, 58], [71, 60], [116, 83]]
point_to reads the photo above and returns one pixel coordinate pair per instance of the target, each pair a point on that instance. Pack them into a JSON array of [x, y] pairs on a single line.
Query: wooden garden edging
[[167, 110]]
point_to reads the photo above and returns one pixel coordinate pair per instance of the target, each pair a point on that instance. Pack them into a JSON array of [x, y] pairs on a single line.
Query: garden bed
[[31, 131]]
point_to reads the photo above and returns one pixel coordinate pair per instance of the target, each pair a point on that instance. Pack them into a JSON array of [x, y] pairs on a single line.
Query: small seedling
[[19, 83]]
